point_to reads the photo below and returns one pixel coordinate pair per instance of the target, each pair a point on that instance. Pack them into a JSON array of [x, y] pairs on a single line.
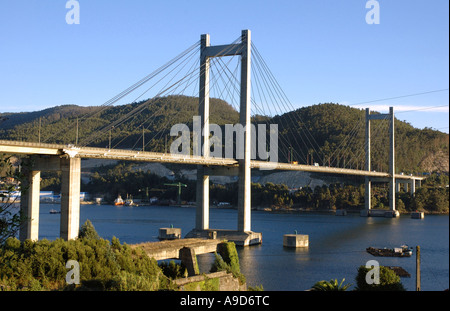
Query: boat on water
[[118, 201], [53, 211], [402, 251], [129, 201]]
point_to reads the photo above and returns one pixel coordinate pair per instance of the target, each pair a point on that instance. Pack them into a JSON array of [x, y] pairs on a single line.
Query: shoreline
[[274, 210], [331, 211]]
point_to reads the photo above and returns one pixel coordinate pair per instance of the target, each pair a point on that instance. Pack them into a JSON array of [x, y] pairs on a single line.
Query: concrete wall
[[218, 281]]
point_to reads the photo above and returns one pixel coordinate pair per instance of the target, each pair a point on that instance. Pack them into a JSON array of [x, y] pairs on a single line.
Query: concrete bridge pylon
[[243, 235], [391, 180]]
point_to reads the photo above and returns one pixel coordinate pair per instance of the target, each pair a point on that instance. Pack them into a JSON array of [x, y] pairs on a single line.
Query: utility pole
[[143, 140], [165, 144], [76, 140], [110, 137], [418, 268], [39, 134]]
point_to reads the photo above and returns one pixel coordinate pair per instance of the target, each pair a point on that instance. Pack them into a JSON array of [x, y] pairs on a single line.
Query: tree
[[10, 218], [87, 231], [438, 200], [389, 281]]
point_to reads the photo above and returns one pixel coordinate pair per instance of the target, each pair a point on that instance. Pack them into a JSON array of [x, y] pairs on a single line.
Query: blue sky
[[319, 50]]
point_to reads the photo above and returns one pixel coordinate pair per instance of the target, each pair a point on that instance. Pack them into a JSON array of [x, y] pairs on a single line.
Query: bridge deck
[[20, 147], [170, 249]]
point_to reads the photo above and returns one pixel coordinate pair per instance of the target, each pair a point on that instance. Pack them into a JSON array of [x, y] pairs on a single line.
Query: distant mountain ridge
[[313, 133]]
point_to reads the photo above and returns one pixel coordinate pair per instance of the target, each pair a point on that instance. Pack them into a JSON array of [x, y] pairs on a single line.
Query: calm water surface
[[337, 244]]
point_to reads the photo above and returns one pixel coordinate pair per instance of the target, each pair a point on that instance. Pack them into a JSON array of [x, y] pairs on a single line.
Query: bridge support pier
[[392, 162], [70, 198], [412, 186], [368, 182], [202, 212], [243, 235], [29, 204], [368, 194], [406, 182], [70, 195], [391, 180], [244, 187], [202, 146]]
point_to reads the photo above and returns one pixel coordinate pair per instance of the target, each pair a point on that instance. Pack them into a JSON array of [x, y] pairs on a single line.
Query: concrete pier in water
[[70, 169], [296, 240]]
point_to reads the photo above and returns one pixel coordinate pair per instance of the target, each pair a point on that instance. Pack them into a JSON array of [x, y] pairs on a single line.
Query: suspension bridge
[[211, 77]]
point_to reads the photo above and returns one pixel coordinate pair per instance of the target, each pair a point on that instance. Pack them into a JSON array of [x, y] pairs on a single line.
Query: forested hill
[[338, 134], [58, 124], [328, 134]]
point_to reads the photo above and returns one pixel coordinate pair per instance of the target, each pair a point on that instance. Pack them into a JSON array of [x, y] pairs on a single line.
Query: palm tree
[[331, 285]]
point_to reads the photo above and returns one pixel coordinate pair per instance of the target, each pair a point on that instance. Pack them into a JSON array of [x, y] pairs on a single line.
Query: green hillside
[[332, 126], [58, 124], [328, 134]]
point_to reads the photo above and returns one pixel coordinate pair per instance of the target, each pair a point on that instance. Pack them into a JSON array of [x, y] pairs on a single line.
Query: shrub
[[173, 270], [389, 281], [40, 265], [227, 259]]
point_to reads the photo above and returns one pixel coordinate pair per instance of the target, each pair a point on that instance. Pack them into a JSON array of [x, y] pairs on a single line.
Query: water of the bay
[[336, 243]]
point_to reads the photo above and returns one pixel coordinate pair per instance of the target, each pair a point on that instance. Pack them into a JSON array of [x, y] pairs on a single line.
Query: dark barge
[[403, 251]]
